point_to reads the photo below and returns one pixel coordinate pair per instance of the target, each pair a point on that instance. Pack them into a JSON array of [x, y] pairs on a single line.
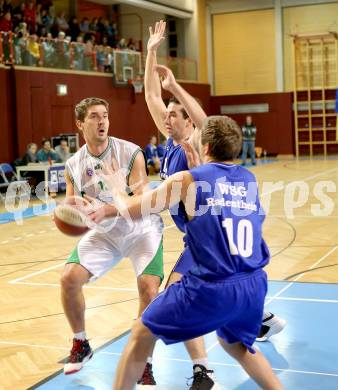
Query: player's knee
[[70, 281], [148, 292], [140, 331]]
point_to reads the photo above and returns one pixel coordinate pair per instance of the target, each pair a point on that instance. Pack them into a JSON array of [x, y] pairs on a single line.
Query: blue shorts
[[185, 262], [194, 307]]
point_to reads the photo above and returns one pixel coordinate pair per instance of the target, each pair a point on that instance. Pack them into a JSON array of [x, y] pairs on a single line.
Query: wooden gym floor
[[34, 334]]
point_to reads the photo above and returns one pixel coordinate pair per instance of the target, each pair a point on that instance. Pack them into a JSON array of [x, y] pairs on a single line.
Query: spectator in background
[[153, 161], [48, 51], [30, 156], [62, 150], [122, 45], [78, 52], [34, 50], [46, 153], [7, 6], [30, 17], [6, 22], [74, 29], [46, 20], [131, 44], [249, 137], [84, 25], [61, 22], [18, 14], [161, 148]]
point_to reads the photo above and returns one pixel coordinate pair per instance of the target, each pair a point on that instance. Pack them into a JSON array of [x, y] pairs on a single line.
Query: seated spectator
[[153, 161], [131, 44], [30, 156], [161, 149], [62, 150], [46, 153], [122, 45]]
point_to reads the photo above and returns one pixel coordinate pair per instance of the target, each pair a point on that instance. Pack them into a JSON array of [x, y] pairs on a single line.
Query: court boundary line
[[300, 276], [297, 299], [99, 352]]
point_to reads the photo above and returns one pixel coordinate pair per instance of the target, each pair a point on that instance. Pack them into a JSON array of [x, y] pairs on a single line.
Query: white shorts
[[100, 252]]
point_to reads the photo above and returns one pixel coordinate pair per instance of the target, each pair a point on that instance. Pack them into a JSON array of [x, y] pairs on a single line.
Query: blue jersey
[[174, 160], [225, 236]]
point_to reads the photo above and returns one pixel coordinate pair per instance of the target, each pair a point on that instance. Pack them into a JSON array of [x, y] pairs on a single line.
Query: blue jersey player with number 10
[[225, 289], [176, 122]]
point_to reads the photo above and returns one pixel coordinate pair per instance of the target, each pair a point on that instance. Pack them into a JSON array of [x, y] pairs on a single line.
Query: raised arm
[[152, 85], [191, 106]]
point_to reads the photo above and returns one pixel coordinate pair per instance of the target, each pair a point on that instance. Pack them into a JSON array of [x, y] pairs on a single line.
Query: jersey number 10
[[244, 237]]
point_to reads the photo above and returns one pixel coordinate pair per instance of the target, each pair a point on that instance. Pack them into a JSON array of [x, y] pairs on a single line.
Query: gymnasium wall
[[38, 112], [7, 144], [202, 39], [244, 52], [307, 19], [274, 128]]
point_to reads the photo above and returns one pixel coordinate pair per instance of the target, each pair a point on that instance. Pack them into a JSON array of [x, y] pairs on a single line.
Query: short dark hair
[[223, 135], [44, 140], [64, 139], [176, 101], [82, 107]]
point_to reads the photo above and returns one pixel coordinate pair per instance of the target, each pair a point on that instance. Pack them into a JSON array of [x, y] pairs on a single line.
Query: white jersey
[[86, 175]]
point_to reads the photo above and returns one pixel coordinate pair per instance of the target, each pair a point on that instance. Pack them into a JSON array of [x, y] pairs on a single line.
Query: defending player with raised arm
[[180, 122], [227, 285]]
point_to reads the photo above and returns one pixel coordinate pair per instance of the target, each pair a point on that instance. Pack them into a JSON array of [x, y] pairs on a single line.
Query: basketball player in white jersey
[[104, 246]]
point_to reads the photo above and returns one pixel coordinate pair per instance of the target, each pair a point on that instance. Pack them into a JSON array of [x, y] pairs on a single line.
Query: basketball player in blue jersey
[[225, 289], [176, 122]]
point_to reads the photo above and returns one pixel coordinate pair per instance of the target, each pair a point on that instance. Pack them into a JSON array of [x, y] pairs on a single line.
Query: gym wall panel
[[35, 111], [7, 144], [306, 19], [244, 52], [202, 34], [274, 128]]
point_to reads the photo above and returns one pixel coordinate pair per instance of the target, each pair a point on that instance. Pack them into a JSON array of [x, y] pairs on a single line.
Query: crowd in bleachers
[[42, 38]]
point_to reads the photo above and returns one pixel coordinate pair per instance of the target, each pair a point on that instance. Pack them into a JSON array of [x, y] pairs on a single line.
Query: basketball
[[70, 219]]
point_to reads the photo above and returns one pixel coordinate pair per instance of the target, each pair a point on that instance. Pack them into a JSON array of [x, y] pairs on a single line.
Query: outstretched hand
[[192, 155], [157, 36], [167, 77]]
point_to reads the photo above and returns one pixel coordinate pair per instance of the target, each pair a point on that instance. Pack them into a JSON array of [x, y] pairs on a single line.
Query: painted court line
[[165, 358], [86, 286], [36, 273], [282, 187], [135, 290], [16, 281], [300, 276]]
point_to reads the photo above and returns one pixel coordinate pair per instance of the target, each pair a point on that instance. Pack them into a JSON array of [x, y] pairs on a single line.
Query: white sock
[[150, 359], [202, 362], [80, 335]]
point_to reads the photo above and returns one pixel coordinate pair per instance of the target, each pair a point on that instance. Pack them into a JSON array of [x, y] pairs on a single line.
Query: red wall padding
[[274, 128], [31, 110]]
